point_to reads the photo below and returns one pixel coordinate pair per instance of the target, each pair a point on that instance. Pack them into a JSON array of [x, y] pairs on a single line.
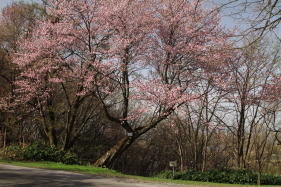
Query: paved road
[[14, 176]]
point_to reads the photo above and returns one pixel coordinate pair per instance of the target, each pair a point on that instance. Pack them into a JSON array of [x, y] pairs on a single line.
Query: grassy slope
[[107, 172]]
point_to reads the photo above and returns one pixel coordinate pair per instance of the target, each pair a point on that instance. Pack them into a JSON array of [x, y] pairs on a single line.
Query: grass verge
[[113, 173]]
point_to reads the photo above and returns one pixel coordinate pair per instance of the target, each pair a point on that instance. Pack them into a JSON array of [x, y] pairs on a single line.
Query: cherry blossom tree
[[140, 59], [57, 64], [16, 20]]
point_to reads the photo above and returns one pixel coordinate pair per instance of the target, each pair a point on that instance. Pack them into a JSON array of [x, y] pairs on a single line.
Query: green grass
[[112, 173]]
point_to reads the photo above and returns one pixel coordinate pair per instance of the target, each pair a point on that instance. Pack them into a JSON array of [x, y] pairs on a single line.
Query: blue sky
[[226, 21], [4, 3]]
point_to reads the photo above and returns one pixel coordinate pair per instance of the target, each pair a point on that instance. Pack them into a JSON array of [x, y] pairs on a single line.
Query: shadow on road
[[41, 178]]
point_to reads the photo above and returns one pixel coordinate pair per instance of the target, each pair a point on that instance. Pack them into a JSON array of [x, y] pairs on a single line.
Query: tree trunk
[[205, 151], [181, 155], [5, 138], [52, 136], [241, 138], [115, 152], [68, 144], [259, 179]]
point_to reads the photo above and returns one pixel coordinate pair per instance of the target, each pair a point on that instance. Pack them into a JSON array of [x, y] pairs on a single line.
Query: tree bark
[[52, 136], [5, 138], [115, 152], [241, 137]]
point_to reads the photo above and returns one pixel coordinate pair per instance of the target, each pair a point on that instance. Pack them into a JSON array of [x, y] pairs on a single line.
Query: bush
[[165, 175], [241, 176], [270, 179], [13, 153], [40, 152], [70, 158]]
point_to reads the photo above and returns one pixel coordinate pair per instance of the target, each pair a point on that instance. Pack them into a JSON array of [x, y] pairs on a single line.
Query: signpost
[[173, 164]]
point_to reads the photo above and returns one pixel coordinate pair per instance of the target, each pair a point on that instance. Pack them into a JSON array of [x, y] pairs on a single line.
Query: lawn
[[112, 173]]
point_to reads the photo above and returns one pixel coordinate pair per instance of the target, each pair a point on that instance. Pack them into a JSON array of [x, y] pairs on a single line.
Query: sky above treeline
[[226, 21], [4, 3]]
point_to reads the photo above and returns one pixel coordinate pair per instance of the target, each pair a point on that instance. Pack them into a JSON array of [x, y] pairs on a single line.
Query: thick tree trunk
[[181, 159], [66, 143], [115, 152], [52, 137]]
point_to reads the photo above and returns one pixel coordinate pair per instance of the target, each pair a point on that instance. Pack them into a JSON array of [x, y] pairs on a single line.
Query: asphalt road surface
[[15, 176]]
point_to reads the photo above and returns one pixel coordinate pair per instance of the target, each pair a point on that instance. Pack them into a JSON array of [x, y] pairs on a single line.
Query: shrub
[[70, 158], [165, 175], [40, 152], [13, 152], [241, 176], [270, 179], [34, 152]]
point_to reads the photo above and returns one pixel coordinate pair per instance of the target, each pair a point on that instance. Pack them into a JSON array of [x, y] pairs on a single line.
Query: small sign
[[130, 134], [173, 163]]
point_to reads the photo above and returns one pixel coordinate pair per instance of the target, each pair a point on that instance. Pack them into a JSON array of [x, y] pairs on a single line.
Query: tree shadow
[[43, 178]]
